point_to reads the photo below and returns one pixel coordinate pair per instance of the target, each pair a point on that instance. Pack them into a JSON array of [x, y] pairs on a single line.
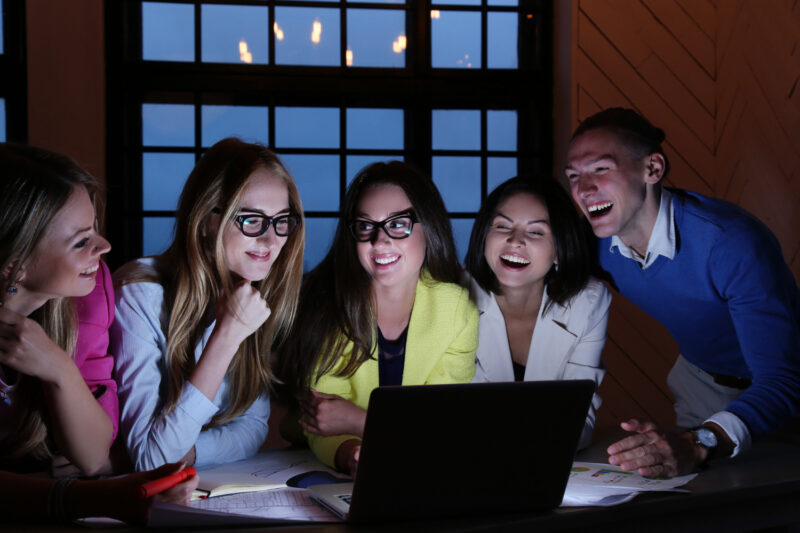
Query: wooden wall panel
[[722, 78], [686, 31]]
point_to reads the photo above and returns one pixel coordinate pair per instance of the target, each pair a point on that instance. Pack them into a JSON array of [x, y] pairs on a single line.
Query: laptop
[[445, 450]]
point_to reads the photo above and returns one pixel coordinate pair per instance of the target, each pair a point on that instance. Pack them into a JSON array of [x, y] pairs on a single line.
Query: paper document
[[264, 471], [599, 484], [256, 494], [286, 503], [278, 506]]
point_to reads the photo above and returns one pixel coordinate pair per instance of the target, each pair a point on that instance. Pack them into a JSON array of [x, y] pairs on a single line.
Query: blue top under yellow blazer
[[440, 348]]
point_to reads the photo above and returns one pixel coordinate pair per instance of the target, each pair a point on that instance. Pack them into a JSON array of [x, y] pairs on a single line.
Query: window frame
[[13, 72], [417, 89]]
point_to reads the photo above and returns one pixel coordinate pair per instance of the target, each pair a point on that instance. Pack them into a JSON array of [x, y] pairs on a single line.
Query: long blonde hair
[[34, 185], [194, 273]]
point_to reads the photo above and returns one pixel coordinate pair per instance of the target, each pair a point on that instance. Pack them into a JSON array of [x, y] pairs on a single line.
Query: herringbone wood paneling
[[722, 78]]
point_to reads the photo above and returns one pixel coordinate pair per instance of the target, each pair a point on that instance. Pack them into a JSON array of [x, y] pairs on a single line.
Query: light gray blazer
[[566, 344]]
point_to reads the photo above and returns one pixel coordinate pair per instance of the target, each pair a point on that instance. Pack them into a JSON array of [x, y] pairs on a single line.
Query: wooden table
[[760, 489]]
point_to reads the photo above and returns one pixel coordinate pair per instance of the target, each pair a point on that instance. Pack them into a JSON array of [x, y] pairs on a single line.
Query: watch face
[[706, 437]]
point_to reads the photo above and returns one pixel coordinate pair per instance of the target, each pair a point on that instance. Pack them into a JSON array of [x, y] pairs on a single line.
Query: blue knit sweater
[[729, 300]]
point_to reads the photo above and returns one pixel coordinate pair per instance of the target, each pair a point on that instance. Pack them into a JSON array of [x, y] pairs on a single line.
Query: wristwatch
[[706, 438]]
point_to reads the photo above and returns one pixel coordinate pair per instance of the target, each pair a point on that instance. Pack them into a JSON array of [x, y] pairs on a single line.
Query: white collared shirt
[[662, 238]]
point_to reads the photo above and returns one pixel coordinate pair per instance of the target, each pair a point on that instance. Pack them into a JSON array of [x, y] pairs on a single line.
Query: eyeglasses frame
[[270, 221], [382, 225]]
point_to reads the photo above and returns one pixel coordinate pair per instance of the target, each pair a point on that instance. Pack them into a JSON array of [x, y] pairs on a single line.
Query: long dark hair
[[635, 132], [572, 248], [336, 305]]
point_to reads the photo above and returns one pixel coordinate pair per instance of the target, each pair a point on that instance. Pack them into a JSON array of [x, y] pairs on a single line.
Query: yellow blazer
[[440, 348]]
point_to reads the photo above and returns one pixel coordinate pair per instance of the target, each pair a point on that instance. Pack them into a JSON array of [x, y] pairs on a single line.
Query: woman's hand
[[26, 348], [238, 316], [243, 312], [81, 429], [119, 497], [347, 456], [327, 415]]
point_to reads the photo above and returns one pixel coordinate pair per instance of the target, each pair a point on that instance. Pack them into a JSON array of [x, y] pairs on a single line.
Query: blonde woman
[[56, 409], [194, 326], [49, 255]]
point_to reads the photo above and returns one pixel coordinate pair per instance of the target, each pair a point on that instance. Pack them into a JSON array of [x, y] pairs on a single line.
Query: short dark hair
[[637, 133], [572, 248]]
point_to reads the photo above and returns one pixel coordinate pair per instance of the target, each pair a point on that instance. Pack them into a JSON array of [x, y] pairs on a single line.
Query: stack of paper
[[596, 484], [249, 492]]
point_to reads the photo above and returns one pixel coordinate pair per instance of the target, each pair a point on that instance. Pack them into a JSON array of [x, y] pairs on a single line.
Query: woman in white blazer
[[542, 316]]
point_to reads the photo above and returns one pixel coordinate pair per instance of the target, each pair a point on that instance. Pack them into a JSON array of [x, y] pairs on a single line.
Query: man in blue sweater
[[712, 274]]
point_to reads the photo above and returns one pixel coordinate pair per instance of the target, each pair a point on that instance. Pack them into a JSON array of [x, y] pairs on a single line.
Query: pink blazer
[[95, 313]]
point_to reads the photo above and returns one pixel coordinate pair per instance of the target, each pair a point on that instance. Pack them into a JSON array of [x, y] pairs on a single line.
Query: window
[[460, 88], [13, 101]]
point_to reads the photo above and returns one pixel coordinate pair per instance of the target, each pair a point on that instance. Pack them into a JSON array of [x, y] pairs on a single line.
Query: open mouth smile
[[598, 210], [514, 261], [385, 259], [90, 271]]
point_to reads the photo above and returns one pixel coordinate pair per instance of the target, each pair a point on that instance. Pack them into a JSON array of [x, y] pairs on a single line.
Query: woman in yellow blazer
[[383, 308]]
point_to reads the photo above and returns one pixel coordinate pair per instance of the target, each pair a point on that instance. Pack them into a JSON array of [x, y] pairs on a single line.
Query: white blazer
[[566, 344]]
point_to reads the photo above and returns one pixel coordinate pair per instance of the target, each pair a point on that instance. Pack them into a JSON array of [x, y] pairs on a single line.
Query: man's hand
[[653, 451]]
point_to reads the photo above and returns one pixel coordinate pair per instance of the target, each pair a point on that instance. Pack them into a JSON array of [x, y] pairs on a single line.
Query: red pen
[[151, 488]]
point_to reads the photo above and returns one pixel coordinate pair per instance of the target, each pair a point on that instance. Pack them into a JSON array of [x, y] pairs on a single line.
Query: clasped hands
[[328, 415], [654, 451]]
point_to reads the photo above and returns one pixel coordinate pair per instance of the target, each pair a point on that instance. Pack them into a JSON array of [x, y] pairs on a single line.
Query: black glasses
[[396, 227], [253, 225]]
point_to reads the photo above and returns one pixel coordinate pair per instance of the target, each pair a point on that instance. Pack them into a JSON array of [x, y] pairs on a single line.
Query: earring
[[12, 288], [555, 266]]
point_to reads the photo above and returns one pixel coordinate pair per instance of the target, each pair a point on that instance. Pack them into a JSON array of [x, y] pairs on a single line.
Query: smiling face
[[66, 258], [391, 263], [251, 258], [614, 189], [520, 248]]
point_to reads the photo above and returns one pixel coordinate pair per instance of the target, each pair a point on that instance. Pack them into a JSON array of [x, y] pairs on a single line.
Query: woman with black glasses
[[195, 325], [383, 308]]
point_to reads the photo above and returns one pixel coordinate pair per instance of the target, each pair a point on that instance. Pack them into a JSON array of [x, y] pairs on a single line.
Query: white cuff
[[735, 428]]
